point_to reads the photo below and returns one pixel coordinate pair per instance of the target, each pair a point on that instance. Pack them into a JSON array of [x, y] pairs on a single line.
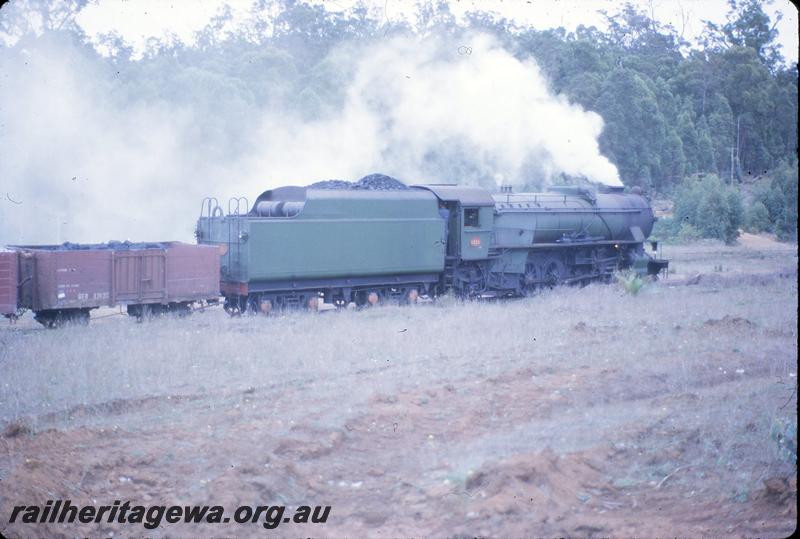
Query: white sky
[[137, 20]]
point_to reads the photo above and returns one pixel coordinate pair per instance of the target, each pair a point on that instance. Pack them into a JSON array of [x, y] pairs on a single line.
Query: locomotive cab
[[469, 212]]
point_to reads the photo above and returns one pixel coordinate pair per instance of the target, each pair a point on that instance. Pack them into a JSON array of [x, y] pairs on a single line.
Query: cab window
[[471, 217]]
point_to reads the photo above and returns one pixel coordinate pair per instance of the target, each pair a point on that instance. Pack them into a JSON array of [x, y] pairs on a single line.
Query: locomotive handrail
[[570, 210], [213, 207], [209, 207], [499, 227], [563, 244], [238, 207], [605, 223]]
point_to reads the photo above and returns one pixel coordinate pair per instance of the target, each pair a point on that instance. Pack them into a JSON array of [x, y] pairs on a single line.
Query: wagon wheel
[[530, 279], [313, 302], [360, 298], [46, 319], [235, 306], [180, 309], [82, 317], [145, 313], [552, 271]]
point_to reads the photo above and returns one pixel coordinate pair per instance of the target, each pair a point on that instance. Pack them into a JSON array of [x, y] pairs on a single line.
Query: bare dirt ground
[[578, 412]]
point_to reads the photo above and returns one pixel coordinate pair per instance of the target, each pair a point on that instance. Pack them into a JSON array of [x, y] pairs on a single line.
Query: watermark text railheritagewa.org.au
[[152, 516]]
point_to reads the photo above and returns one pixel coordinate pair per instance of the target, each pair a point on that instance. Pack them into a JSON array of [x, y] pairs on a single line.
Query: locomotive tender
[[299, 245]]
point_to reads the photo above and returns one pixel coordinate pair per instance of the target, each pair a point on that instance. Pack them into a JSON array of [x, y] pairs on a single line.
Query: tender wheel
[[366, 298], [412, 296], [360, 298], [552, 271]]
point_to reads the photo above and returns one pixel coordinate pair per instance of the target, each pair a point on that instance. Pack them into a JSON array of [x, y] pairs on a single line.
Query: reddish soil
[[388, 466]]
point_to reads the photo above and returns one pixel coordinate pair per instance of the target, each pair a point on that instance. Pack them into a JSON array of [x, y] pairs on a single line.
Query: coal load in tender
[[373, 182], [115, 245], [331, 184]]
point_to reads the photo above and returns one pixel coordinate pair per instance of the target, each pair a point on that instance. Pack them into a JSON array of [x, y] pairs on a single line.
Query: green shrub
[[784, 433], [779, 198], [688, 233], [670, 230], [758, 218], [711, 208], [665, 230], [630, 281]]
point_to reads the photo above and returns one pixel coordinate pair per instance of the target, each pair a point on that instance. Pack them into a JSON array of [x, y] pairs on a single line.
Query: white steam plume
[[429, 110], [79, 162]]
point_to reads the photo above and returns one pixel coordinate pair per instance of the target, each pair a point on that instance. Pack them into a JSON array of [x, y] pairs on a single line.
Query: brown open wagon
[[62, 283]]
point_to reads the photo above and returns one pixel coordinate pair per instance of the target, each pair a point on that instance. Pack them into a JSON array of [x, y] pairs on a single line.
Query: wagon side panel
[[125, 277], [192, 272], [72, 279], [9, 278], [139, 276]]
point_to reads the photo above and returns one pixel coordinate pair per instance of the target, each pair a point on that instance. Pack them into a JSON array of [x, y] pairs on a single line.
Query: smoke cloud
[[84, 157], [435, 111]]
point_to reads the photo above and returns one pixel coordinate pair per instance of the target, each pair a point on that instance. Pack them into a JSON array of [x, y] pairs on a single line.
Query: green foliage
[[688, 137], [784, 433], [757, 218], [730, 109], [635, 134], [664, 229], [712, 208], [671, 230], [630, 281], [747, 26], [784, 185], [778, 196], [688, 233]]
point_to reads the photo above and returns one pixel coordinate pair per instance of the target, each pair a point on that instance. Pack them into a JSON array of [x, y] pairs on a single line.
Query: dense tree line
[[679, 121], [695, 126]]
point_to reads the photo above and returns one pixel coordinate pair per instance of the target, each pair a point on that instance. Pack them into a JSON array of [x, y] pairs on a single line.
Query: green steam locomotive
[[299, 246]]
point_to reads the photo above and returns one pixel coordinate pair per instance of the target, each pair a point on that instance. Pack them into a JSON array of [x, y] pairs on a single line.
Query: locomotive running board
[[568, 244]]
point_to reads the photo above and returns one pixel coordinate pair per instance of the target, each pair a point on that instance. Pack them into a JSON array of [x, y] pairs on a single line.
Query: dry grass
[[690, 379], [710, 256], [661, 334]]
